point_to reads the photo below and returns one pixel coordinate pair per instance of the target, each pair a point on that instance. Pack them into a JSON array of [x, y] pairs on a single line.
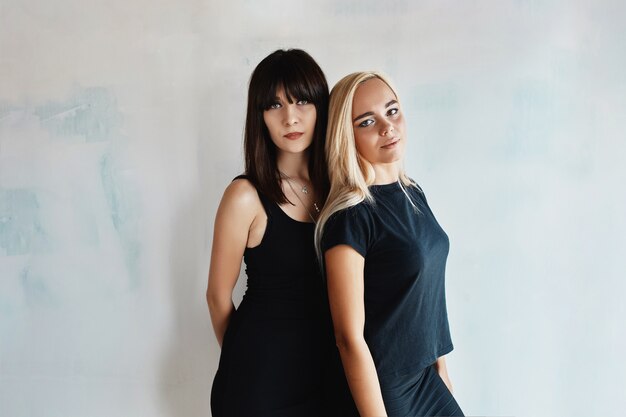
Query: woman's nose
[[386, 129], [290, 115]]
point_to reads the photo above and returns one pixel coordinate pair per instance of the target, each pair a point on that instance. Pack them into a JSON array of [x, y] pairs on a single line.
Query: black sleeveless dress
[[279, 341]]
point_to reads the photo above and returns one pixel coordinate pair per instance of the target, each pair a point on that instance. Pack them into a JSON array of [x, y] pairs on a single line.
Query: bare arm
[[442, 370], [233, 223], [344, 268]]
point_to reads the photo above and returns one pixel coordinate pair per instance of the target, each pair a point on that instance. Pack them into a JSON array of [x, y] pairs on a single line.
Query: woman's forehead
[[372, 92]]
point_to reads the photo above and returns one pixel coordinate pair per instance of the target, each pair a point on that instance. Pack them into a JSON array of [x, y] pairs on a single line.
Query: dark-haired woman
[[276, 343]]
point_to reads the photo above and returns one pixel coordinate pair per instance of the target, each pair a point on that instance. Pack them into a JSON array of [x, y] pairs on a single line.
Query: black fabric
[[278, 348], [405, 251], [420, 394]]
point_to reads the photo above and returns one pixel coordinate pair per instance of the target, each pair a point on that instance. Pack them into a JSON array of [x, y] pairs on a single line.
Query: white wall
[[121, 123]]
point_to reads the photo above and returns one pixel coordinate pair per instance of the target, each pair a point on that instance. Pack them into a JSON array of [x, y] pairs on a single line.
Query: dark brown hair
[[302, 79]]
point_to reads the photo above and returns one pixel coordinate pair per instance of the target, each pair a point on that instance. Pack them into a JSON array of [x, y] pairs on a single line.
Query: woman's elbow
[[210, 297], [216, 300], [348, 343]]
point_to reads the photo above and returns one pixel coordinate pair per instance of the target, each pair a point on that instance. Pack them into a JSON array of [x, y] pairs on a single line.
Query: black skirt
[[419, 394], [269, 368]]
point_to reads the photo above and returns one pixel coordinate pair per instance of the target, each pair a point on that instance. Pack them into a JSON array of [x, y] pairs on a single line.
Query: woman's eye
[[366, 123], [302, 102], [392, 112], [274, 106]]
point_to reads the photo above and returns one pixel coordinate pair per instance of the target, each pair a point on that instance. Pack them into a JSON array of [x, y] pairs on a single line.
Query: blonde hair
[[350, 174]]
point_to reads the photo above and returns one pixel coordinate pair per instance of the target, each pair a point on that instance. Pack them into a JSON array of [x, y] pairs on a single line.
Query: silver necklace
[[304, 190]]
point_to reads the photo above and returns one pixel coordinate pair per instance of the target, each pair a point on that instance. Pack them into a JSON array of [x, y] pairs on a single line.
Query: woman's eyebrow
[[369, 113], [392, 102]]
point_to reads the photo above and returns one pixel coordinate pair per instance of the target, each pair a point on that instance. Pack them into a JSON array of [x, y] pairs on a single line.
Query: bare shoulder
[[240, 198], [241, 191]]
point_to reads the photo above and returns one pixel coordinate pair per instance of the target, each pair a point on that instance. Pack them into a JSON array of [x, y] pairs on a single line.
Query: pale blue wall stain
[[36, 292], [544, 125], [123, 205], [110, 192], [91, 113], [20, 226], [532, 122], [435, 107], [6, 109], [441, 97]]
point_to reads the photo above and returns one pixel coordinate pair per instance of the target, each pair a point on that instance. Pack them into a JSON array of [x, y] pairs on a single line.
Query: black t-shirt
[[405, 251]]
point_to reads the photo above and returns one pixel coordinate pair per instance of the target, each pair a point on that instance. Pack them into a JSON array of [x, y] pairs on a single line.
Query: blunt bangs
[[299, 79]]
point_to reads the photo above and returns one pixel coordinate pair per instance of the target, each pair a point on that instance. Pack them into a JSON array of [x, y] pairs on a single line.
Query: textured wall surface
[[121, 124]]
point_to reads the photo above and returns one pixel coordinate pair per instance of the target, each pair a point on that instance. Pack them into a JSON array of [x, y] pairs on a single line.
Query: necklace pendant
[[317, 209], [305, 190]]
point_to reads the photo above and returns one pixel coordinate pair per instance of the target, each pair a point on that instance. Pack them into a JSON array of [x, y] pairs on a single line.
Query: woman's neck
[[386, 173], [293, 165]]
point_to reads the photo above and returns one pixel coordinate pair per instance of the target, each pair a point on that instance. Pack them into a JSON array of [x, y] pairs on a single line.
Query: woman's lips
[[293, 135], [391, 144]]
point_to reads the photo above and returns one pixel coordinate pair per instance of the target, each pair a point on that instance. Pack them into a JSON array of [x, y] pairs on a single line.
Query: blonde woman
[[385, 257]]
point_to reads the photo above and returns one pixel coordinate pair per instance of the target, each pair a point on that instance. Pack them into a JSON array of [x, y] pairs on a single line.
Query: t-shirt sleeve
[[352, 226]]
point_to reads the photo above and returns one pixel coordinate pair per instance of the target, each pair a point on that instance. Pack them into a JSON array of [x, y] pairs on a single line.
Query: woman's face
[[378, 123], [291, 125]]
